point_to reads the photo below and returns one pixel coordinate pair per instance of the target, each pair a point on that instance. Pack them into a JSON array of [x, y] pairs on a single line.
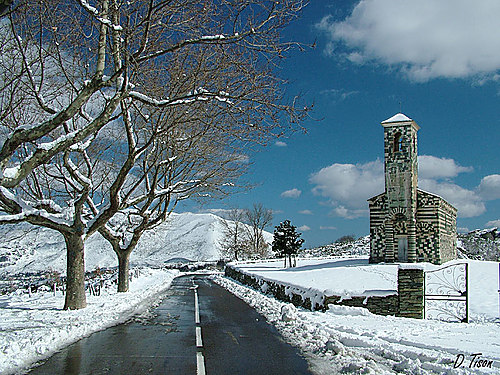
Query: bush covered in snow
[[480, 245], [341, 247]]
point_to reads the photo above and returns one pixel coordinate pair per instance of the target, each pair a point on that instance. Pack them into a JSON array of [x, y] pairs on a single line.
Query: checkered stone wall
[[426, 220]]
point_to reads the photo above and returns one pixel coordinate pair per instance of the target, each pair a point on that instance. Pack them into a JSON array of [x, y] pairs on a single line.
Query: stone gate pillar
[[411, 291]]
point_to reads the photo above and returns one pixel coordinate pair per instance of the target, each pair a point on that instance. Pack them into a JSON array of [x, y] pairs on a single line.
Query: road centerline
[[199, 342], [200, 359], [196, 308], [200, 364]]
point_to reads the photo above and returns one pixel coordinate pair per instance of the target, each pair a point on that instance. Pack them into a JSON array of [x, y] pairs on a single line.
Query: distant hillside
[[480, 244], [185, 236], [190, 236], [361, 246]]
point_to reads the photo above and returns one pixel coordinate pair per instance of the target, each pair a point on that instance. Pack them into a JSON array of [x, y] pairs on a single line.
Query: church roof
[[399, 117], [375, 197], [420, 191]]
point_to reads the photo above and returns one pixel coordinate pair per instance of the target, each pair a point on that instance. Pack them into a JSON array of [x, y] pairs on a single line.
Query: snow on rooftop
[[399, 117]]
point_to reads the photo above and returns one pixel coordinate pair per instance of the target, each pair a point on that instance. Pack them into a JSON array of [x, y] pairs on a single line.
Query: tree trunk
[[123, 270], [75, 280]]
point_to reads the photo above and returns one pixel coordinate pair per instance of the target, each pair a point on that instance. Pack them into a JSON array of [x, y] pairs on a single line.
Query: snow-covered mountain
[[196, 237]]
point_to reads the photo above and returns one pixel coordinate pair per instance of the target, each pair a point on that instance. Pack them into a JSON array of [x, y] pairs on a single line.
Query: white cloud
[[241, 158], [489, 188], [467, 202], [348, 186], [306, 212], [425, 39], [293, 193], [280, 144], [463, 230], [348, 213], [327, 228], [434, 167], [339, 94], [493, 223], [304, 228]]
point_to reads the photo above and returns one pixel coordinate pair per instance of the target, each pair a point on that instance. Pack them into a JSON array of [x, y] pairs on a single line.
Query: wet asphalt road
[[234, 340]]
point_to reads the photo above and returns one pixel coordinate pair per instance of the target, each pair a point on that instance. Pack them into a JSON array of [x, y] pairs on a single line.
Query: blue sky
[[438, 62]]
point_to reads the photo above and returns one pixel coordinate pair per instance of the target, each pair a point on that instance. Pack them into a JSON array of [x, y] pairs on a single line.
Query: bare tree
[[235, 243], [183, 157], [258, 218], [72, 71]]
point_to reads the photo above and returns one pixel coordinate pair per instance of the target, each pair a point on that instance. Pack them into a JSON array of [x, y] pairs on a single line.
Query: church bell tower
[[401, 179]]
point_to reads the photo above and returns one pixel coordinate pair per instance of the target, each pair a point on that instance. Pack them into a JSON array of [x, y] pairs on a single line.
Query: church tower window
[[398, 142]]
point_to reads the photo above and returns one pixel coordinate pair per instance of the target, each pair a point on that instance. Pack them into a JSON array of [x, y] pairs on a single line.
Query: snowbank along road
[[351, 340]]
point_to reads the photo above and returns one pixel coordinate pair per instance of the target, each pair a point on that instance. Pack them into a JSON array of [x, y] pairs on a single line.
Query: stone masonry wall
[[387, 305], [277, 290], [411, 292], [407, 303]]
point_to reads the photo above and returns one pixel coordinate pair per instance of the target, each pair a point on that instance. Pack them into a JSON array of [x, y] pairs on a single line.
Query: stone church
[[406, 223]]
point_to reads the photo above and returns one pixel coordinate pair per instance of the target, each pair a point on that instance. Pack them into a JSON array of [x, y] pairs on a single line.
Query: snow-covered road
[[352, 340]]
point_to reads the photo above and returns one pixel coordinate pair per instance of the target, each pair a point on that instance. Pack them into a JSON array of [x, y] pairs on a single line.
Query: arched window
[[398, 142]]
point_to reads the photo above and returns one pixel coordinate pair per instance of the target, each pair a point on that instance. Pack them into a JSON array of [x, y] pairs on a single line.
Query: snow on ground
[[34, 327], [356, 277], [352, 276], [352, 340]]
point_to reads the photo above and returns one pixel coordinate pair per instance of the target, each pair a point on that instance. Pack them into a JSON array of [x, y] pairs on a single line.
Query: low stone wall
[[277, 290], [387, 305], [408, 302]]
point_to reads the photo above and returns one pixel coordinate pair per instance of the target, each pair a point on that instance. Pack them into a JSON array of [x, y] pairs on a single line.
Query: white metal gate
[[446, 293]]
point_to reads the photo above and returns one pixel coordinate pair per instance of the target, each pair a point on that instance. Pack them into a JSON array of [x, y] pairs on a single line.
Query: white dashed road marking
[[196, 308], [200, 364], [199, 343], [200, 360]]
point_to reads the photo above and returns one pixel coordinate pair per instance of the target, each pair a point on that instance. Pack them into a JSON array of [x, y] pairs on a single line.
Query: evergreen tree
[[287, 242]]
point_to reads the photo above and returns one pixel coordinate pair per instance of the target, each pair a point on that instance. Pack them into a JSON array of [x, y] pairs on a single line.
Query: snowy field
[[34, 327], [356, 277], [352, 340]]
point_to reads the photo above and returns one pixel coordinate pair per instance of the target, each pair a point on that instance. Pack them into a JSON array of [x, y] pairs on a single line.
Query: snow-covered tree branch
[[125, 108]]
